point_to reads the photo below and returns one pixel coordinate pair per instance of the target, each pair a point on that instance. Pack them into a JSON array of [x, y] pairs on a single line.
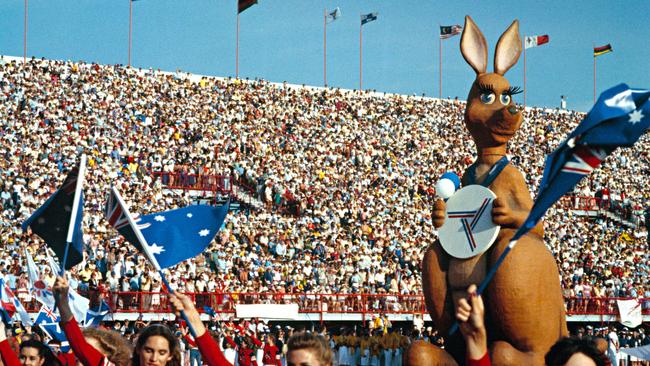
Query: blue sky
[[282, 40]]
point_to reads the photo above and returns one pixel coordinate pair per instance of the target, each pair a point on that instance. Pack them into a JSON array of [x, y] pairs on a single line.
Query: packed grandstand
[[334, 187]]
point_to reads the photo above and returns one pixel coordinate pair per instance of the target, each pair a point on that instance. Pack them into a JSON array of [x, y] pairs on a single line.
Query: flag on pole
[[78, 304], [46, 315], [333, 15], [534, 41], [448, 31], [11, 305], [39, 288], [58, 220], [619, 118], [245, 4], [367, 18], [170, 237], [603, 50]]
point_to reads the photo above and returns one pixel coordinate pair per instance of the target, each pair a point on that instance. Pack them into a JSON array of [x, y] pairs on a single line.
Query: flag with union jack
[[46, 315], [619, 118], [58, 220], [116, 215]]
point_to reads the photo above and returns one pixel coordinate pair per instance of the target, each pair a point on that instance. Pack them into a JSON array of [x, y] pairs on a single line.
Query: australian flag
[[57, 224], [46, 315], [170, 237], [94, 317], [10, 305], [619, 118]]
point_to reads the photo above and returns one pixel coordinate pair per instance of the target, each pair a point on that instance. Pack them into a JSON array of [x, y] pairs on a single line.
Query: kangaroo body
[[524, 308]]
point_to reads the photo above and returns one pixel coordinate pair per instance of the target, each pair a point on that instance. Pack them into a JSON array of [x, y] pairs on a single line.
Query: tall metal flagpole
[[524, 45], [325, 47], [594, 76], [237, 49], [130, 27], [440, 67], [25, 35], [360, 54]]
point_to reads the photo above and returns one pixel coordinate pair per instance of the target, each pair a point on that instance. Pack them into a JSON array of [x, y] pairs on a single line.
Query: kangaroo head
[[491, 116]]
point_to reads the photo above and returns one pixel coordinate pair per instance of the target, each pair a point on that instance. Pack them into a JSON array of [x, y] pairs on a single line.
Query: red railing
[[179, 180], [156, 302], [583, 203]]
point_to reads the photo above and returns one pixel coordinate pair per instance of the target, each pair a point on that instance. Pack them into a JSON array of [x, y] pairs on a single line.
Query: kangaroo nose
[[512, 109]]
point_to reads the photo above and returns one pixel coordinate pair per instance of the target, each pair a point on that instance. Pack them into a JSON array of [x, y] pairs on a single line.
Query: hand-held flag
[[78, 304], [619, 118], [38, 287], [58, 220], [94, 317], [170, 237], [11, 305], [47, 315]]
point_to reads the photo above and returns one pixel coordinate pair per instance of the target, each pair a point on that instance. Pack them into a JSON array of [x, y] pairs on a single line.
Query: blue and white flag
[[334, 14], [47, 315], [58, 220], [170, 237], [78, 304], [367, 18], [94, 317], [54, 331], [619, 118], [39, 288]]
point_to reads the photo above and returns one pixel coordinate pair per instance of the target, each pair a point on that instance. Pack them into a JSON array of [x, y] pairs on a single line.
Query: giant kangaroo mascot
[[524, 308]]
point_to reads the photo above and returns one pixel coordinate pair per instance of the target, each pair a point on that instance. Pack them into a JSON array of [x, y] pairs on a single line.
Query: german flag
[[245, 4], [603, 50]]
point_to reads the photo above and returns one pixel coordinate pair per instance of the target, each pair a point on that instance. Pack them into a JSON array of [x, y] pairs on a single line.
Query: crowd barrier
[[223, 302]]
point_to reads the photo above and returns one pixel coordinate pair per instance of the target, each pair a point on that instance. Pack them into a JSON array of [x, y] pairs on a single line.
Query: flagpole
[[237, 50], [360, 55], [130, 28], [524, 73], [145, 248], [25, 35], [440, 70], [75, 208], [594, 77], [325, 47]]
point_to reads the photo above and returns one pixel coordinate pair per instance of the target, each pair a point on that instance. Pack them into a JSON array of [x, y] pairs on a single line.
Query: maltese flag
[[534, 41]]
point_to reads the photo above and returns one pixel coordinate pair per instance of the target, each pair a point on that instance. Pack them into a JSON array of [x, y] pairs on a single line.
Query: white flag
[[630, 311], [78, 304]]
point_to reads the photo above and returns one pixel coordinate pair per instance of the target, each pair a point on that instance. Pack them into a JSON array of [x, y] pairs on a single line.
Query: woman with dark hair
[[155, 346], [32, 352], [571, 351]]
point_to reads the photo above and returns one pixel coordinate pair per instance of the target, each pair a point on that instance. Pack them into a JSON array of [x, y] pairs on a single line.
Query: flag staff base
[[183, 315]]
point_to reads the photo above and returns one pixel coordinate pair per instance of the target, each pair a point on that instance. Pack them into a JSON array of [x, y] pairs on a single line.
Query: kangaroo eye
[[505, 99], [487, 98]]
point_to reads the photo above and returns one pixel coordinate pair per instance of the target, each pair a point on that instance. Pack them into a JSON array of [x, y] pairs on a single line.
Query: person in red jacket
[[32, 352], [156, 345], [271, 352], [246, 353], [210, 350]]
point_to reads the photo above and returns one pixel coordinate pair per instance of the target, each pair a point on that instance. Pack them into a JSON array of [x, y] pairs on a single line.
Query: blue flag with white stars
[[618, 119], [177, 235]]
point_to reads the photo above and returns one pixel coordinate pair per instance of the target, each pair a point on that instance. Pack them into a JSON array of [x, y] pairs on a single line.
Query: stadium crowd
[[346, 181]]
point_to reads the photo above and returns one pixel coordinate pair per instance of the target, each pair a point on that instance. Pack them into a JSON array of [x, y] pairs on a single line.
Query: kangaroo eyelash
[[483, 88], [513, 90]]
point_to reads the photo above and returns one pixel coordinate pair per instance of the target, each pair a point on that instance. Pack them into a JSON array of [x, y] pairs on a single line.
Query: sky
[[282, 40]]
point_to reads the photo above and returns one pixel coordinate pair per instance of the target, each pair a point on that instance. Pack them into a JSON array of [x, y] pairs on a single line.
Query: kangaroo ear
[[473, 46], [508, 49]]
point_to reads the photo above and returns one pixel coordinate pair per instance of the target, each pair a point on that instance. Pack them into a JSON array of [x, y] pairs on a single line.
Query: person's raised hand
[[61, 290], [182, 303], [470, 314]]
